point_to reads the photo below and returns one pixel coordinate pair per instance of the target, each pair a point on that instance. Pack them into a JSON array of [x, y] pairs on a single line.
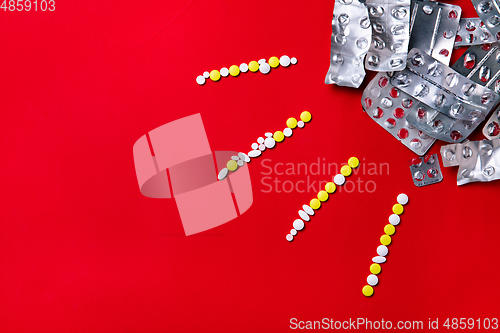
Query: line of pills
[[385, 240], [315, 204], [254, 66], [262, 144]]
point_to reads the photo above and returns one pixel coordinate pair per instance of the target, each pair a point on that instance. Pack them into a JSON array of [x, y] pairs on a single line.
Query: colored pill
[[305, 116], [346, 170], [322, 196], [389, 229], [353, 162], [253, 66], [398, 209], [278, 136], [215, 75], [274, 62], [232, 165], [291, 123], [367, 291], [375, 268], [315, 203], [330, 187], [385, 240], [234, 70]]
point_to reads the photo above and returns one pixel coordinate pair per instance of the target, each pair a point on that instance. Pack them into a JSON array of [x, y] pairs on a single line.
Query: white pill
[[235, 158], [200, 80], [254, 153], [288, 132], [261, 61], [289, 237], [255, 145], [402, 199], [379, 259], [264, 68], [244, 68], [268, 135], [240, 163], [293, 61], [206, 75], [293, 232], [244, 157], [269, 142], [298, 224], [223, 174], [339, 179], [382, 250], [372, 280], [262, 147], [308, 210], [224, 71], [394, 219], [303, 215], [300, 124], [285, 61], [260, 140]]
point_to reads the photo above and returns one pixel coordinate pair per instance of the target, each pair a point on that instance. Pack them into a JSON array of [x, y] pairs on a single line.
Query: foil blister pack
[[433, 28], [390, 21], [350, 41], [492, 128], [489, 12], [426, 170], [472, 31], [388, 106], [478, 161]]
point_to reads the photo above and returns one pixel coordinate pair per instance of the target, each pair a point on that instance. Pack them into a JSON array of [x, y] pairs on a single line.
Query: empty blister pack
[[388, 106], [472, 31], [478, 161], [433, 28], [437, 85], [390, 21], [351, 38], [492, 128], [426, 170], [488, 12]]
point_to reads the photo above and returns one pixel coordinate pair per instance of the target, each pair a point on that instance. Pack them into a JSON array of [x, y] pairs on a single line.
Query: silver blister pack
[[390, 21], [351, 38], [433, 27], [489, 12], [478, 161], [492, 128], [426, 170], [472, 31], [437, 85], [388, 106]]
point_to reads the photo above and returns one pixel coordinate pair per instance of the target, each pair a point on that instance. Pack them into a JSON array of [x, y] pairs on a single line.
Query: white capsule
[[240, 163], [339, 179], [300, 124], [244, 68], [293, 61], [261, 61], [285, 61], [244, 157], [255, 146], [372, 280], [268, 135], [303, 215], [293, 232], [269, 143], [379, 259], [200, 80], [288, 132], [394, 219], [206, 75], [235, 158], [264, 68], [254, 153], [308, 210], [260, 140], [224, 71], [382, 250], [223, 174], [289, 237], [262, 147], [298, 224], [402, 199]]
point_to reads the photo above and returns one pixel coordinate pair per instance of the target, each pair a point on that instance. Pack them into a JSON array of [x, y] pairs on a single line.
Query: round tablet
[[264, 68], [398, 209], [382, 250], [385, 240], [389, 229], [330, 187], [379, 259], [260, 140], [262, 147], [255, 145], [293, 60], [215, 75], [394, 219], [322, 196], [305, 116], [254, 153], [291, 122], [315, 203], [200, 80], [339, 179], [372, 280], [289, 237], [288, 132], [303, 215], [300, 124], [298, 224], [261, 61], [346, 170], [244, 68], [285, 61], [240, 163], [402, 199], [253, 66], [223, 174], [206, 74], [353, 162], [274, 62], [269, 142], [308, 209], [367, 291], [268, 135], [224, 71], [234, 70], [279, 136], [375, 268], [232, 165], [293, 232]]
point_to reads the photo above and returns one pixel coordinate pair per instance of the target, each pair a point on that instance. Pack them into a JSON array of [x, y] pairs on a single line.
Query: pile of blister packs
[[416, 96]]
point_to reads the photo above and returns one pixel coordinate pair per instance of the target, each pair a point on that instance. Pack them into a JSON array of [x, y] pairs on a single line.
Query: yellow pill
[[215, 75], [330, 187], [385, 240], [274, 62], [305, 116], [375, 268], [315, 203], [253, 66], [346, 170], [353, 162], [279, 136], [322, 196], [232, 165], [291, 122], [367, 290], [389, 229], [234, 70], [398, 209]]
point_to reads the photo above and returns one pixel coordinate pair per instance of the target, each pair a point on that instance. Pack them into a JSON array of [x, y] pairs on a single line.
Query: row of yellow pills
[[253, 66], [385, 241], [314, 204]]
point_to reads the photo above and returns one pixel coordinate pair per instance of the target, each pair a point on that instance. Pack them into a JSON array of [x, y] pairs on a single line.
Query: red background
[[81, 250]]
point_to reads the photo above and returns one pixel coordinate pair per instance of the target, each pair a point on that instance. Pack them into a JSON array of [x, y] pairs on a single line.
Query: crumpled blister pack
[[488, 12], [426, 170], [472, 31]]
